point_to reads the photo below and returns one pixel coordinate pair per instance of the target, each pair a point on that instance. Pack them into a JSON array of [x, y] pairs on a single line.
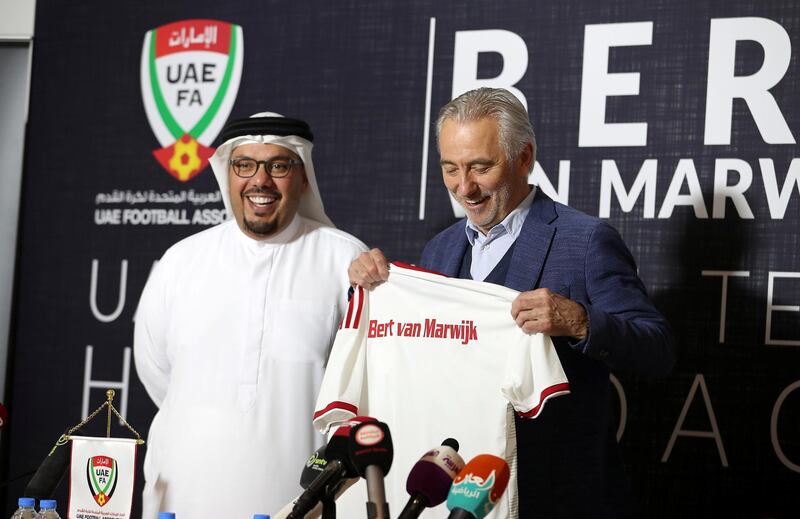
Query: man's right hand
[[369, 269]]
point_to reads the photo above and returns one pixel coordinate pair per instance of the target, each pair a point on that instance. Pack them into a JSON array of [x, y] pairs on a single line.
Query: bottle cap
[[47, 503], [26, 501], [261, 516], [166, 515]]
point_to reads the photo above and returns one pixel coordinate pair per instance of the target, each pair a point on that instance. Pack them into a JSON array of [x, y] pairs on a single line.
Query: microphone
[[51, 471], [371, 453], [317, 511], [478, 487], [337, 468], [314, 466], [430, 478]]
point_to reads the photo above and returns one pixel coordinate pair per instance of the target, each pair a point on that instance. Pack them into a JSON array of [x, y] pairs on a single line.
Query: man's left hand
[[544, 311]]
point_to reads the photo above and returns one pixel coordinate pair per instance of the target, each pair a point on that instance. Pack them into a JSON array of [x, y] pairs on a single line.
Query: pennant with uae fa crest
[[101, 477], [190, 74]]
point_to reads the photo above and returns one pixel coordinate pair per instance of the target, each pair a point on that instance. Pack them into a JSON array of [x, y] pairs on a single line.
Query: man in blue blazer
[[577, 282]]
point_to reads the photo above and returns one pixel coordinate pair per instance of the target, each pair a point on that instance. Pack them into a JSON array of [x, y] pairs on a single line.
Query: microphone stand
[[377, 508], [328, 507]]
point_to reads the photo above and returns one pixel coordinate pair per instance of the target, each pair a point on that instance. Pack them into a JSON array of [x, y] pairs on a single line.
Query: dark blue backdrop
[[358, 72]]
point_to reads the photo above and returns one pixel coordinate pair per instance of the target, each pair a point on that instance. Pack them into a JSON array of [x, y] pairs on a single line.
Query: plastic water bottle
[[47, 509], [26, 509], [166, 515]]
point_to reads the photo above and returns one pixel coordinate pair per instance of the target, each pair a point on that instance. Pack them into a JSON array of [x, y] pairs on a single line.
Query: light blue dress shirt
[[489, 249]]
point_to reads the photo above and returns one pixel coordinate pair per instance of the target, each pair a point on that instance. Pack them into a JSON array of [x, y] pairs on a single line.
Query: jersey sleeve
[[344, 381], [533, 374]]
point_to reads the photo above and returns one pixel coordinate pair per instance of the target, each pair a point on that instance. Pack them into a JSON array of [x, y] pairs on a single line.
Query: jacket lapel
[[533, 244], [456, 244]]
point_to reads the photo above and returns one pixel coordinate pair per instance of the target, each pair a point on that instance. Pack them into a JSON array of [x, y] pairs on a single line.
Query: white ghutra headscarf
[[271, 128]]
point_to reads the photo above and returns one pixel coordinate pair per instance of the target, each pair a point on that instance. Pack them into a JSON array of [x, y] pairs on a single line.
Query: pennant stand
[[108, 403], [102, 470]]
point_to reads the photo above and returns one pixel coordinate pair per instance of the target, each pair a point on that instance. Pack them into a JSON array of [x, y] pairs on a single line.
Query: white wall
[[16, 19], [16, 34]]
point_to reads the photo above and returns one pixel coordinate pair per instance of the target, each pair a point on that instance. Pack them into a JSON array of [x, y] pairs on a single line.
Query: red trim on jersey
[[545, 395], [346, 321], [360, 307], [343, 406], [420, 269], [354, 318]]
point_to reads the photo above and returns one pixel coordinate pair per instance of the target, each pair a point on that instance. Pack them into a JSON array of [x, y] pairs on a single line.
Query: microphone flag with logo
[[430, 478], [315, 464], [478, 487], [371, 452]]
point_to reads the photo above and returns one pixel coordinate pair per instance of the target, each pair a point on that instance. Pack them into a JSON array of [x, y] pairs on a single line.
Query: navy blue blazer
[[568, 458]]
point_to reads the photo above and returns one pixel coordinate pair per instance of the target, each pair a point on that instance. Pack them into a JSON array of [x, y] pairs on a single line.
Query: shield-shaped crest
[[101, 474], [190, 73]]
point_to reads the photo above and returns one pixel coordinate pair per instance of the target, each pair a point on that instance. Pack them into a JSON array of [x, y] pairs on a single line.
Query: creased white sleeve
[[533, 374], [342, 390], [150, 336]]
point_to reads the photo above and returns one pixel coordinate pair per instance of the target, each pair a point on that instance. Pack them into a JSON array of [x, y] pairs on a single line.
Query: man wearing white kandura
[[233, 330]]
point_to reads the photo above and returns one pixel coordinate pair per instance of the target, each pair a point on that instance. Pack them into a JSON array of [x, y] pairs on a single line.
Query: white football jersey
[[434, 358]]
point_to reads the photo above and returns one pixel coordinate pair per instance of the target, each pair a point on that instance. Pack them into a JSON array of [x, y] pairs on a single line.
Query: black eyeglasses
[[277, 168]]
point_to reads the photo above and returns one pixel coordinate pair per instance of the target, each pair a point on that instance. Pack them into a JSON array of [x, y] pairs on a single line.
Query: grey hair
[[499, 104]]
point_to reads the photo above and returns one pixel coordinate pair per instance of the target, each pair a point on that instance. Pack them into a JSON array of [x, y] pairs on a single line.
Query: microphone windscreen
[[362, 419], [479, 485], [371, 445], [315, 464], [339, 444], [452, 443], [433, 474]]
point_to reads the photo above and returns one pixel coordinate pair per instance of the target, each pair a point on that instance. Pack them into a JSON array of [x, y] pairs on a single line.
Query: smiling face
[[264, 206], [477, 172]]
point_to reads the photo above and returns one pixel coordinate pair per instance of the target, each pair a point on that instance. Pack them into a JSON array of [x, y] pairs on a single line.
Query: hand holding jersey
[[535, 311], [544, 311], [369, 269]]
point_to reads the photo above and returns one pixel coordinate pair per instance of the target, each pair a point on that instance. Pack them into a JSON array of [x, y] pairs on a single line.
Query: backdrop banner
[[674, 120]]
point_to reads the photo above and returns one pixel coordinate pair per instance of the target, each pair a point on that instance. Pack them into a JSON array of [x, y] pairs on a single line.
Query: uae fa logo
[[101, 474], [190, 75]]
